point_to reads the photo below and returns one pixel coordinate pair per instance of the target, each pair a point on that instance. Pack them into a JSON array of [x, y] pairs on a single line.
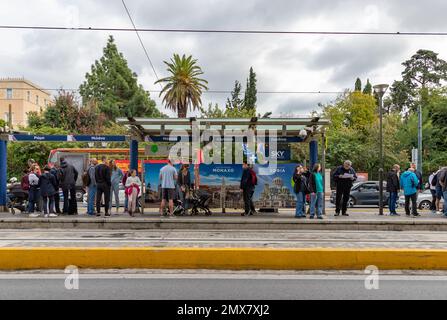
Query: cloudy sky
[[55, 59]]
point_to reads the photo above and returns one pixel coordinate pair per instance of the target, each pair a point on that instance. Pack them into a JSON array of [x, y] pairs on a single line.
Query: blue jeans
[[316, 202], [33, 199], [91, 199], [300, 204], [392, 202], [445, 202]]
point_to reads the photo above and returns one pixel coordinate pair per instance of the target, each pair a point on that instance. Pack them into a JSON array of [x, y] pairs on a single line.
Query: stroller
[[199, 202], [17, 198]]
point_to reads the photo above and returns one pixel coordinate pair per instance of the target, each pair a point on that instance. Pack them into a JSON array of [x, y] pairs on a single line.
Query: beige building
[[23, 96]]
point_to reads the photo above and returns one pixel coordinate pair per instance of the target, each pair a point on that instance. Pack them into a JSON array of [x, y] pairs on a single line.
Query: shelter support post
[[313, 153], [134, 154], [3, 174]]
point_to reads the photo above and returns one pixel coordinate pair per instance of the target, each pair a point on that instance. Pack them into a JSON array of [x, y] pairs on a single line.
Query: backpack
[[434, 181], [86, 179], [25, 182], [253, 178]]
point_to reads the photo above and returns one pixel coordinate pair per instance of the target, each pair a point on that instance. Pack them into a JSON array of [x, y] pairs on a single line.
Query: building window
[[9, 93], [37, 100], [28, 96]]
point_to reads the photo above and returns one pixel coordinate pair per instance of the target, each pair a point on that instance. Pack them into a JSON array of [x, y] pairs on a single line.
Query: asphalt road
[[222, 286]]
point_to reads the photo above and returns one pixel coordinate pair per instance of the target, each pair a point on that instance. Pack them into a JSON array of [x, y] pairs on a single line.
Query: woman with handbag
[[133, 184]]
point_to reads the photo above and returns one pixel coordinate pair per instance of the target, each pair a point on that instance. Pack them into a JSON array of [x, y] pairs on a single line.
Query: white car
[[423, 202], [121, 197]]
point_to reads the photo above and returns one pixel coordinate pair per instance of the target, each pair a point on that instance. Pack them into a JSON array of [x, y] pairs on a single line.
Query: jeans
[[91, 199], [248, 200], [103, 188], [71, 190], [115, 190], [445, 202], [48, 204], [413, 198], [33, 198], [316, 203], [392, 202], [300, 204], [342, 197], [126, 203]]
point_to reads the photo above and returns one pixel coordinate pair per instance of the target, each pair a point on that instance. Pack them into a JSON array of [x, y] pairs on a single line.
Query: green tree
[[250, 97], [183, 87], [368, 88], [235, 103], [423, 71], [358, 85], [114, 87], [213, 111]]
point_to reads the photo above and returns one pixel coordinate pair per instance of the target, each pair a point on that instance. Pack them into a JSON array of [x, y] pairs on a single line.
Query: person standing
[[133, 184], [67, 179], [116, 178], [393, 187], [409, 183], [184, 185], [168, 178], [316, 192], [91, 188], [48, 187], [418, 174], [34, 192], [300, 185], [103, 184], [247, 186], [432, 182], [439, 193], [344, 176], [55, 171], [126, 198], [442, 178]]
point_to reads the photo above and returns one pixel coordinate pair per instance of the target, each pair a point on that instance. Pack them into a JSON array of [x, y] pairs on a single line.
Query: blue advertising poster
[[274, 187]]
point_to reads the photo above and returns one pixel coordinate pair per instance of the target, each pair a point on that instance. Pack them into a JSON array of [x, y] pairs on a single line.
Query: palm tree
[[183, 88]]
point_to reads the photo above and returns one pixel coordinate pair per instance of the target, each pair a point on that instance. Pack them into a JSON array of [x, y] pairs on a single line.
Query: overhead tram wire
[[141, 41], [208, 91], [230, 31]]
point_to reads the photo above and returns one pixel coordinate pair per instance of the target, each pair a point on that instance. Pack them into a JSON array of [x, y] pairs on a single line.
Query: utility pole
[[380, 91], [10, 117], [419, 162]]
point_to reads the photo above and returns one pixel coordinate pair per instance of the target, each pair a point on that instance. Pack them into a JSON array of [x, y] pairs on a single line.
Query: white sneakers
[[36, 215]]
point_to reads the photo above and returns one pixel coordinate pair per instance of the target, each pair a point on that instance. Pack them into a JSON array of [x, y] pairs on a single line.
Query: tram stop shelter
[[310, 131]]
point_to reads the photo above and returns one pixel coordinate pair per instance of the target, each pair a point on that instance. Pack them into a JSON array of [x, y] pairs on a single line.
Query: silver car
[[423, 202]]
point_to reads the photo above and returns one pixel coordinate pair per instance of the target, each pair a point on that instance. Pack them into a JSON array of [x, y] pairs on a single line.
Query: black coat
[[48, 185], [392, 182], [103, 175], [68, 175], [246, 182], [341, 182], [300, 181], [184, 180]]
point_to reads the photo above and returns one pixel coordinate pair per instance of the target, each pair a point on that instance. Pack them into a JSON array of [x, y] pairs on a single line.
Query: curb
[[222, 258], [220, 224]]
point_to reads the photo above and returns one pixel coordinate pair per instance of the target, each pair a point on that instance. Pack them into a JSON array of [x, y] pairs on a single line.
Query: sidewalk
[[359, 219]]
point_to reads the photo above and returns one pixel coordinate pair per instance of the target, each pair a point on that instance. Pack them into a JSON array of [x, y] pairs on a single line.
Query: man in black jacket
[[248, 188], [344, 176], [420, 186], [103, 178], [55, 171], [393, 187], [67, 179]]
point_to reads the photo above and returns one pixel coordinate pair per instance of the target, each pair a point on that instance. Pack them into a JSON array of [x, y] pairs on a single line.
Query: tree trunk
[[181, 112]]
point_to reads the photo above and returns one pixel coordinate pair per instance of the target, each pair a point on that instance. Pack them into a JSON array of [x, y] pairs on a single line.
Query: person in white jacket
[[133, 184]]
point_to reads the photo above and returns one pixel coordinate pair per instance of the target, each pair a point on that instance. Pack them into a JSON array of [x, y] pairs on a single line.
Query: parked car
[[121, 197], [365, 193], [423, 201]]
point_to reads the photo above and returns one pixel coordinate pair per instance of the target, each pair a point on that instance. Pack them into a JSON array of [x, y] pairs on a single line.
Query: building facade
[[23, 96]]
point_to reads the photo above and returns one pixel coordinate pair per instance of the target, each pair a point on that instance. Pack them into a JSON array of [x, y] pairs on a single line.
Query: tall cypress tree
[[235, 103], [368, 88], [114, 87], [251, 92], [358, 85]]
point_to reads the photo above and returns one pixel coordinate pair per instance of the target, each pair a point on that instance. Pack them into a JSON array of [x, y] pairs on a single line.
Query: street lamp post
[[380, 90]]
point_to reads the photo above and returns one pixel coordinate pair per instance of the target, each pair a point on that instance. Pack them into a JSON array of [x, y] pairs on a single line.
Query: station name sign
[[67, 138]]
